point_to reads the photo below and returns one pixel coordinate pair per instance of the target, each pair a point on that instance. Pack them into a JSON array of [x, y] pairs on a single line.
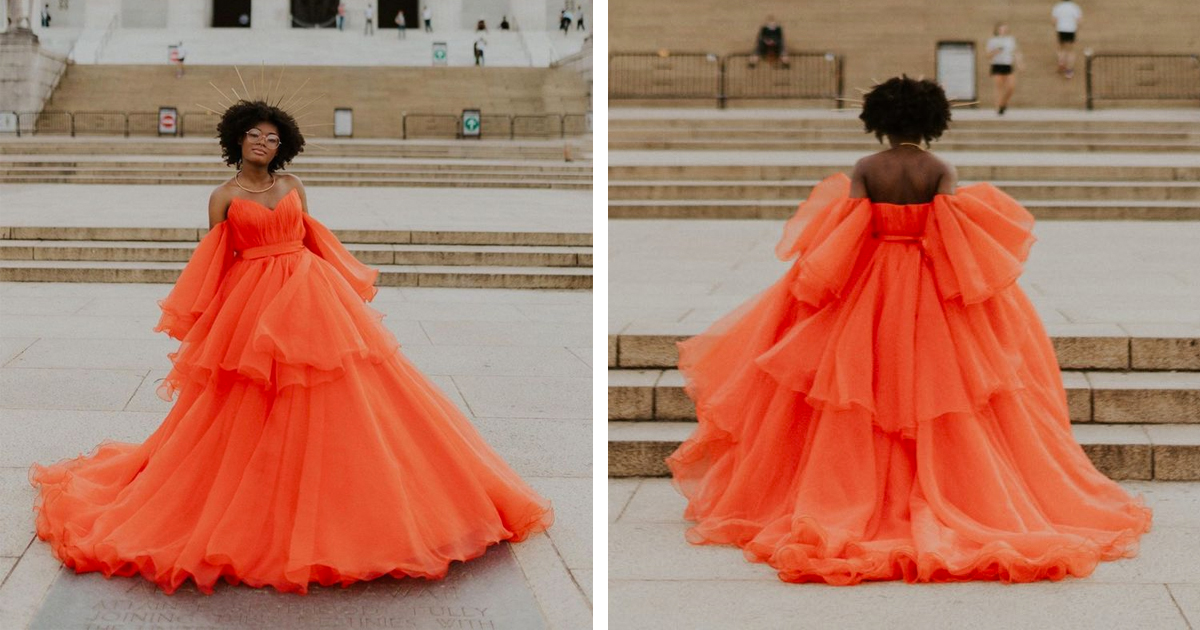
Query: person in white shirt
[[369, 14], [401, 24], [480, 47], [1002, 49], [1066, 16], [427, 15]]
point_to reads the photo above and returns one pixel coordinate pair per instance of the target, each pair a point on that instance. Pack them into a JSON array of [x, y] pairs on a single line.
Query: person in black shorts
[[1003, 53]]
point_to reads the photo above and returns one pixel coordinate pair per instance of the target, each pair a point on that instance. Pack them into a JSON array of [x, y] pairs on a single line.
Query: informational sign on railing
[[168, 121], [472, 126], [441, 54], [956, 70]]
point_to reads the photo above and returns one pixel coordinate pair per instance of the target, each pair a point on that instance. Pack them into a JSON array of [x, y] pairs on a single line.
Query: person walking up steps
[[1067, 17], [1005, 58]]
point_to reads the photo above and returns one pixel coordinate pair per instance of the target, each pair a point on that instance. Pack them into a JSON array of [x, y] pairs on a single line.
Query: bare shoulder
[[218, 202], [947, 175], [858, 176], [293, 183]]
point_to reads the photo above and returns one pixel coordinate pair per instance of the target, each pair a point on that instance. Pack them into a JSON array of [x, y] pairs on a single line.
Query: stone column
[[19, 15]]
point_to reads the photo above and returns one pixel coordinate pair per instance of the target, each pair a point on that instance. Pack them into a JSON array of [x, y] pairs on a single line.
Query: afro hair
[[243, 115], [906, 108]]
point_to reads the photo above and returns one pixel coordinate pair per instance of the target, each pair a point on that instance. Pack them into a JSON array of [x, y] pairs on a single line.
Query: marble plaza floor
[[715, 587], [78, 364]]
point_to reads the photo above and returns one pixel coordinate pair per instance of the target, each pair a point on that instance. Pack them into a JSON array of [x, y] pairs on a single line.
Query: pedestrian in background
[[1066, 16]]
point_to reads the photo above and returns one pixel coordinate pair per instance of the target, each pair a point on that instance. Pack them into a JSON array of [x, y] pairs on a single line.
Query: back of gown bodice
[[889, 219]]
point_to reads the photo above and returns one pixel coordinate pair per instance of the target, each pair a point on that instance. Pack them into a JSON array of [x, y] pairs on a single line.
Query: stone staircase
[[515, 260], [1134, 402], [759, 165], [494, 258]]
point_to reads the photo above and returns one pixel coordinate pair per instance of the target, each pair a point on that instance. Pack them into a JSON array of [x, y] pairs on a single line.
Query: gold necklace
[[911, 145], [237, 181]]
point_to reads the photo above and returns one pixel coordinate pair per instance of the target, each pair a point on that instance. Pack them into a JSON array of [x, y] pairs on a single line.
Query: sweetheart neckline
[[268, 209]]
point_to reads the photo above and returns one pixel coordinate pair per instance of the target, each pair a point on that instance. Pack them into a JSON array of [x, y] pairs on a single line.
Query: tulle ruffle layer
[[350, 479], [280, 321], [894, 410]]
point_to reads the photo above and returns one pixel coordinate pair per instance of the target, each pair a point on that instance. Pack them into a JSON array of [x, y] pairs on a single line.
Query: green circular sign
[[471, 124], [439, 54]]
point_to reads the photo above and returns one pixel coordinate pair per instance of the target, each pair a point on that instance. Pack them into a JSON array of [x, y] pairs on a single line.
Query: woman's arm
[[948, 180]]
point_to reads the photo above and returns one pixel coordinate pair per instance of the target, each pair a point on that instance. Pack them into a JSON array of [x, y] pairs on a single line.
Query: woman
[[892, 408], [303, 447], [1002, 50]]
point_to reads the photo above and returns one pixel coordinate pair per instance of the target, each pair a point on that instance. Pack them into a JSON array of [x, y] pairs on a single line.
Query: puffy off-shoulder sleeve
[[827, 234], [323, 243], [977, 241], [197, 284]]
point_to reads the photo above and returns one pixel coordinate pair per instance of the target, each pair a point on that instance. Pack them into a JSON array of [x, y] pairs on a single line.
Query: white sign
[[956, 69], [8, 122], [168, 121], [471, 123], [343, 122], [441, 54]]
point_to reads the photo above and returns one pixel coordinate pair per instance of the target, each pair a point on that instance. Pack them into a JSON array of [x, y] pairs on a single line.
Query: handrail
[[703, 75], [95, 123], [1127, 76]]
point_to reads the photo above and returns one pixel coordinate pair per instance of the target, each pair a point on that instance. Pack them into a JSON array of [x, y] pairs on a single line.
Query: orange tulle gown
[[303, 446], [892, 407]]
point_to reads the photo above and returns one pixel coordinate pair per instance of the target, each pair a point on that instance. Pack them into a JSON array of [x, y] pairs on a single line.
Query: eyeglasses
[[255, 135]]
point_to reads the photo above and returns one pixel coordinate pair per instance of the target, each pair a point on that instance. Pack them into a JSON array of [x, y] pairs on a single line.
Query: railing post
[[71, 117], [512, 127], [404, 125], [1088, 70], [126, 117], [721, 81], [841, 81]]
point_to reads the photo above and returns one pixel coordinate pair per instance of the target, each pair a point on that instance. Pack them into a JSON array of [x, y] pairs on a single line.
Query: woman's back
[[905, 174]]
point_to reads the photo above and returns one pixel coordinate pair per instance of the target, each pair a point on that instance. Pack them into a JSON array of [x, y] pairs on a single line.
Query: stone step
[[868, 144], [390, 275], [1103, 347], [1042, 210], [621, 119], [738, 131], [314, 180], [368, 253], [208, 147], [391, 237], [798, 189], [721, 170], [1101, 397], [1167, 452], [76, 164]]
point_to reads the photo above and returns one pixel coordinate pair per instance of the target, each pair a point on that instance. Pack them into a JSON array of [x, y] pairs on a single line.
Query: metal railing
[[690, 75], [804, 76], [1142, 77], [664, 75], [204, 124]]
